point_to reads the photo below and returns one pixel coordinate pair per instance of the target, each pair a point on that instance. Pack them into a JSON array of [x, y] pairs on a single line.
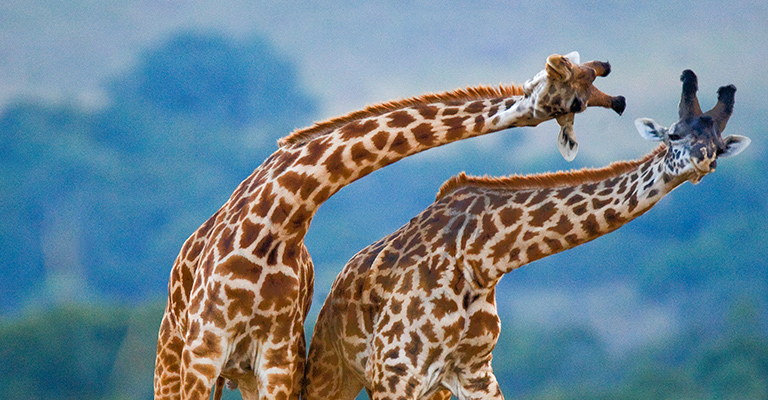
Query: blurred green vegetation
[[96, 204], [107, 352]]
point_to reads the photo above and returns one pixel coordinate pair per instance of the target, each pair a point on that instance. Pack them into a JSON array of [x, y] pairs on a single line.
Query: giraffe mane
[[547, 180], [477, 92]]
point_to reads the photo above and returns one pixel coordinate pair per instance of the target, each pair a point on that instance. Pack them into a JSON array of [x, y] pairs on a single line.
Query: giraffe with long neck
[[241, 286], [414, 315]]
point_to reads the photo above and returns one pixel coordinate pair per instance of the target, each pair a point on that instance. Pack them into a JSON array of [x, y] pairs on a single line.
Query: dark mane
[[470, 93], [546, 180]]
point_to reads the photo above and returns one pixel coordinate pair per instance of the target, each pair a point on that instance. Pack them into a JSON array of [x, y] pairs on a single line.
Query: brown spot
[[239, 267], [322, 195], [563, 226], [492, 111], [541, 195], [380, 139], [415, 309], [281, 212], [612, 218], [308, 187], [395, 331], [194, 251], [554, 245], [580, 209], [509, 103], [598, 204], [564, 192], [591, 226], [605, 192], [528, 236], [249, 232], [278, 291], [427, 112], [264, 202], [424, 134], [542, 214], [482, 323], [447, 111], [400, 119], [443, 306], [577, 198], [226, 242], [272, 256], [357, 128], [414, 348], [455, 126], [534, 253], [360, 154], [264, 246], [632, 202], [400, 145], [314, 151], [510, 215], [291, 180], [335, 165], [475, 107], [589, 188], [521, 197], [479, 123], [503, 247], [428, 277]]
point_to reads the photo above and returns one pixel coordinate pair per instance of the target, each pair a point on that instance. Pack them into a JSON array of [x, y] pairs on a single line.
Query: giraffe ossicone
[[241, 286], [414, 316]]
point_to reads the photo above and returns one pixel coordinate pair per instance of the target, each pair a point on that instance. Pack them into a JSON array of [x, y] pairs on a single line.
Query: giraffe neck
[[514, 221], [313, 164]]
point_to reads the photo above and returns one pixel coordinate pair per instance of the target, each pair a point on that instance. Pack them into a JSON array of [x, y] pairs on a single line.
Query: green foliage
[[65, 353], [109, 196]]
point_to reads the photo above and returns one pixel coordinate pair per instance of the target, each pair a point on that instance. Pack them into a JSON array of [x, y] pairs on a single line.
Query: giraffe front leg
[[279, 371], [167, 382], [201, 361]]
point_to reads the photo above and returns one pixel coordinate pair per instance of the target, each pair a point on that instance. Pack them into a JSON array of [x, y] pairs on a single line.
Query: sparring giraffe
[[413, 316], [241, 286]]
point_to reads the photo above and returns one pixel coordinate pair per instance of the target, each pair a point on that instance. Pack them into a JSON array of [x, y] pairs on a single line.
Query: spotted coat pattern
[[241, 286], [413, 316]]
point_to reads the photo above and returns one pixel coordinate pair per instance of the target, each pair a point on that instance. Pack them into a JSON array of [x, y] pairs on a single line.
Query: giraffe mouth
[[699, 171]]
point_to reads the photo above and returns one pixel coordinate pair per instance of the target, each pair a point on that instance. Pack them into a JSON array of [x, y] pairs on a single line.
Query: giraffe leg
[[327, 376], [201, 360], [167, 381], [280, 369], [479, 384]]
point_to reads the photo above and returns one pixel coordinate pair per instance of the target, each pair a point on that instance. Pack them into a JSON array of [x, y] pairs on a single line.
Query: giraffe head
[[565, 88], [695, 141]]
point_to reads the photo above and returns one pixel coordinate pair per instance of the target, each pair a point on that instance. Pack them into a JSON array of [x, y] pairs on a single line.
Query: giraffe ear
[[650, 130], [734, 144], [559, 68], [574, 57]]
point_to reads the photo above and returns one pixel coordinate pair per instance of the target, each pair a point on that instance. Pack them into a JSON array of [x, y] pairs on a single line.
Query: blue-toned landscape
[[123, 127]]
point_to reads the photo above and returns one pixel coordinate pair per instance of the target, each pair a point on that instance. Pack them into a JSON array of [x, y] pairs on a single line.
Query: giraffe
[[414, 316], [240, 288]]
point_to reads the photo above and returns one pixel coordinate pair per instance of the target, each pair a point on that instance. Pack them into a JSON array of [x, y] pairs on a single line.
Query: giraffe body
[[414, 314], [241, 286]]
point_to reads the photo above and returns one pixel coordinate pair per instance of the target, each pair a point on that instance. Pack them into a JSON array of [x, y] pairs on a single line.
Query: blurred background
[[125, 125]]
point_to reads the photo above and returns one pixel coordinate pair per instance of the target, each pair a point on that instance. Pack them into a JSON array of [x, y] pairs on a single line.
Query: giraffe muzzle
[[618, 104]]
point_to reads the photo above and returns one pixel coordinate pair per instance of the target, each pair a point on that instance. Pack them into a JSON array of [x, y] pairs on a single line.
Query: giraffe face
[[695, 141], [565, 87]]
